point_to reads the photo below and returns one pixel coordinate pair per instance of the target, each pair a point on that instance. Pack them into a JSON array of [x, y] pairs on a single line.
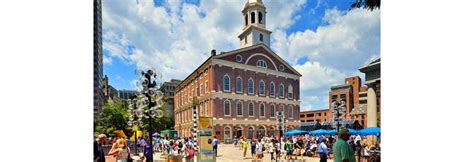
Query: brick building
[[241, 89], [315, 116]]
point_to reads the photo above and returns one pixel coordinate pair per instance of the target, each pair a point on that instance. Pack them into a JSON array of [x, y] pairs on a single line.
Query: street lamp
[[338, 111], [149, 97]]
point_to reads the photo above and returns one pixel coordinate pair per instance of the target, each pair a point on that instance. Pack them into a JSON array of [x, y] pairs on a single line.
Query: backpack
[[263, 147], [180, 145]]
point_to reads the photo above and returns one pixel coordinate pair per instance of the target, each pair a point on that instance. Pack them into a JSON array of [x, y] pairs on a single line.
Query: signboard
[[206, 154]]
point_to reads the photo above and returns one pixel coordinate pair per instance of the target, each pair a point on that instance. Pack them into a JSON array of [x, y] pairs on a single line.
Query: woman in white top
[[259, 149], [271, 150]]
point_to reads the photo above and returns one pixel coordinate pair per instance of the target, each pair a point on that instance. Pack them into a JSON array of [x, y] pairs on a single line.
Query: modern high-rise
[[99, 97]]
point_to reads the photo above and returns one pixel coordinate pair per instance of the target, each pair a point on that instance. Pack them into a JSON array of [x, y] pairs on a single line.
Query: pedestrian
[[215, 142], [99, 155], [253, 146], [259, 149], [277, 150], [323, 151], [244, 147], [289, 149], [341, 150], [271, 149], [314, 148]]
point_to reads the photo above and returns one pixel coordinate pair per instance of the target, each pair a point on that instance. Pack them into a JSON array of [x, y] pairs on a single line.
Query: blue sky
[[322, 39]]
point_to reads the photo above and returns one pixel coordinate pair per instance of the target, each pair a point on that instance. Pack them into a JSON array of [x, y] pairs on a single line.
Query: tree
[[370, 4], [114, 115]]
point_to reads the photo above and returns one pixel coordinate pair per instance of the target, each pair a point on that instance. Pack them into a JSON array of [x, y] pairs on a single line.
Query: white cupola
[[254, 31]]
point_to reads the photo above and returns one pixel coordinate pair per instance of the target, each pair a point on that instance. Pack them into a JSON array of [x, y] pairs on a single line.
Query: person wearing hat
[[341, 150]]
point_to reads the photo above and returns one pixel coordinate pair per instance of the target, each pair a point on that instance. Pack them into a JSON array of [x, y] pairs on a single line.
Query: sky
[[322, 39]]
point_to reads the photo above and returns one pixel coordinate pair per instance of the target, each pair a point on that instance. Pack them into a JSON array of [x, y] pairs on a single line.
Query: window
[[272, 89], [261, 37], [281, 67], [250, 109], [282, 110], [246, 19], [260, 17], [239, 85], [281, 91], [227, 133], [206, 86], [240, 112], [262, 110], [272, 110], [238, 58], [261, 63], [200, 90], [290, 92], [250, 87], [206, 110], [227, 108], [252, 17], [261, 88], [226, 83], [290, 111]]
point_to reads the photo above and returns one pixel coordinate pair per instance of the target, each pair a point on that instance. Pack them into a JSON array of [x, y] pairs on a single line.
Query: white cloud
[[107, 60], [177, 37]]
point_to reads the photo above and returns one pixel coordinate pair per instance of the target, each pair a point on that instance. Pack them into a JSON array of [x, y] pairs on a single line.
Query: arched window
[[272, 110], [260, 18], [281, 91], [239, 85], [261, 88], [246, 19], [272, 89], [261, 37], [227, 133], [290, 92], [251, 109], [261, 132], [290, 111], [226, 83], [250, 87], [252, 17], [250, 133], [261, 111], [227, 108], [240, 110], [261, 63], [282, 108]]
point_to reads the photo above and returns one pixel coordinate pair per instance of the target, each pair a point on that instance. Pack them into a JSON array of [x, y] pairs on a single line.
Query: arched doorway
[[271, 132], [227, 137], [250, 133], [261, 132], [238, 132]]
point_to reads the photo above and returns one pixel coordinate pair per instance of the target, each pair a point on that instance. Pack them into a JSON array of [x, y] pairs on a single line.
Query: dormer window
[[261, 63], [261, 38]]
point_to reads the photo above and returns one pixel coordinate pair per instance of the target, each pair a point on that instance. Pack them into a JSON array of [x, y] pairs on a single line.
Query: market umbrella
[[156, 134], [370, 131], [353, 131], [318, 132], [295, 132], [332, 132]]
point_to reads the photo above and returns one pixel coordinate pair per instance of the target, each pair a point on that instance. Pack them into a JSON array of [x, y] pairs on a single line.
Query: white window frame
[[253, 109], [230, 108], [290, 110], [206, 86], [223, 83], [253, 87], [272, 84], [280, 91], [237, 84], [261, 63], [237, 108], [290, 91], [260, 112], [259, 92], [274, 111]]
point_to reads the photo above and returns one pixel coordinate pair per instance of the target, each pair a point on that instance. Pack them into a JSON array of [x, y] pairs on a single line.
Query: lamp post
[[148, 97], [338, 111]]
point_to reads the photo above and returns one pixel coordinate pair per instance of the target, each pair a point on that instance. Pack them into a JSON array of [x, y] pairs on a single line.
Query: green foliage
[[113, 116]]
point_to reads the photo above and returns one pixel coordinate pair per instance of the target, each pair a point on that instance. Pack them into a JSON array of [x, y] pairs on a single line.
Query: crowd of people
[[295, 147], [121, 148]]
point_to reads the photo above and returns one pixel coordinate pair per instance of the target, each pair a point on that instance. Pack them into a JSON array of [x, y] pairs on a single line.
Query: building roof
[[344, 86], [359, 109], [374, 64]]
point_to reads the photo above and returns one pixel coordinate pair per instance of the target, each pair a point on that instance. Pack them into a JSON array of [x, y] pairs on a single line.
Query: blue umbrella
[[295, 132], [332, 132], [318, 132], [370, 131], [353, 131]]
